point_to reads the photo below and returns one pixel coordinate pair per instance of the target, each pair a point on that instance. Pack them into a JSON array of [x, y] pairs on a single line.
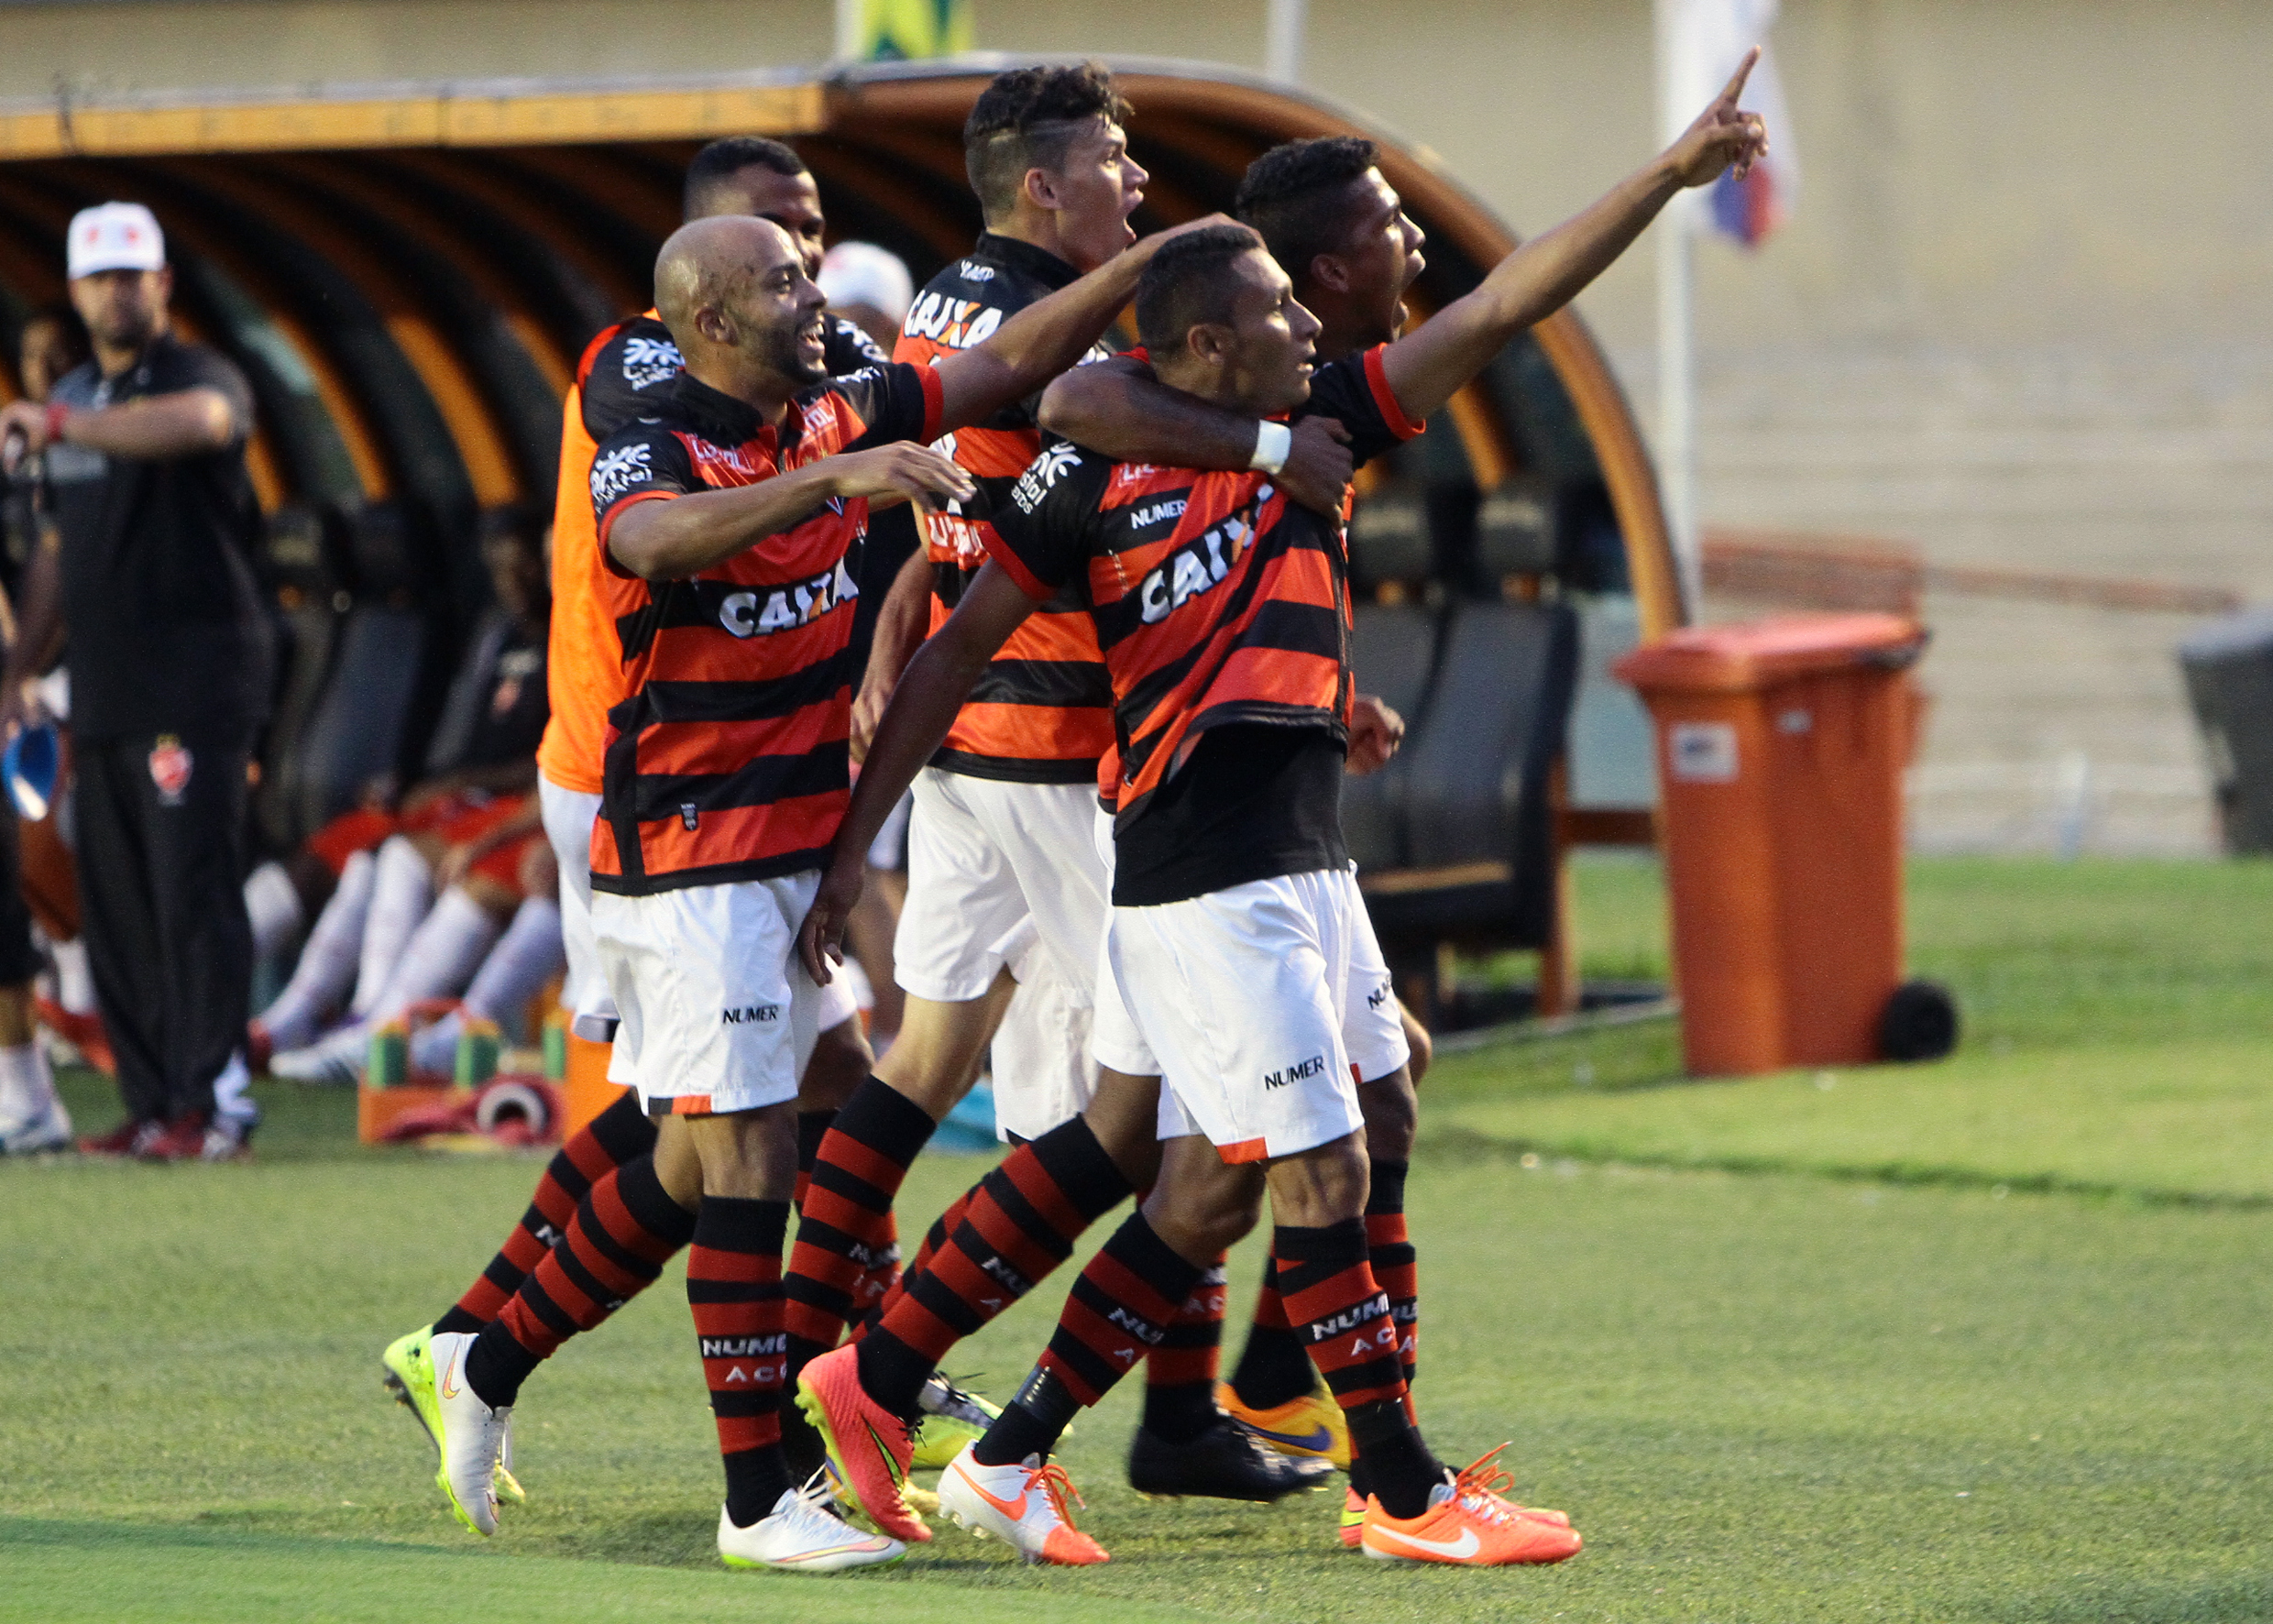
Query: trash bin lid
[[1759, 653], [2248, 632]]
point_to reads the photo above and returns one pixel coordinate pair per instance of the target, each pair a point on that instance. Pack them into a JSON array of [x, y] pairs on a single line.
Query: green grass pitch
[[1979, 1341]]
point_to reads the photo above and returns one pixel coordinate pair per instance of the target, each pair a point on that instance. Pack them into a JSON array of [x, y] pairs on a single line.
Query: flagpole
[[1677, 342], [1284, 23], [850, 15]]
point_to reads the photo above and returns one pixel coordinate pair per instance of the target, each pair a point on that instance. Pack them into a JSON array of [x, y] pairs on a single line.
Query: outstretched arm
[[1119, 408], [1546, 273], [923, 708], [1046, 337]]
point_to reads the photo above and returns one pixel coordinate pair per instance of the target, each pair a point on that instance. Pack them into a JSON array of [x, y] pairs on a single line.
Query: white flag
[[1710, 38]]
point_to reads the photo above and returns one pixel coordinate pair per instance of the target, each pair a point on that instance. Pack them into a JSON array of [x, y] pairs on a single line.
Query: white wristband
[[1272, 441]]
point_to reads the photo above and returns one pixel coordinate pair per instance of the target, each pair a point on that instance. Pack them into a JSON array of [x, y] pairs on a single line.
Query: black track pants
[[161, 867]]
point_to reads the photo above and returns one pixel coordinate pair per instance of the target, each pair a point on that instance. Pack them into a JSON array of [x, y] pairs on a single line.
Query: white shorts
[[1242, 995], [1373, 1031], [569, 814], [983, 855], [1044, 1075], [718, 1014]]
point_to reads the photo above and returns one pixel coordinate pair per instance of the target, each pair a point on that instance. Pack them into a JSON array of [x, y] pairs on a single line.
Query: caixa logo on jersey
[[762, 611], [1200, 563], [956, 324]]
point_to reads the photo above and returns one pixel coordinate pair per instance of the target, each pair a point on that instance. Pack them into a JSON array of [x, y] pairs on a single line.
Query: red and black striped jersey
[[1218, 602], [1041, 713], [619, 378], [728, 760]]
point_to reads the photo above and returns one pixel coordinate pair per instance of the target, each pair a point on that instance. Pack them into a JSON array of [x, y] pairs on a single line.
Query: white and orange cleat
[[870, 1449], [1022, 1505], [1466, 1524]]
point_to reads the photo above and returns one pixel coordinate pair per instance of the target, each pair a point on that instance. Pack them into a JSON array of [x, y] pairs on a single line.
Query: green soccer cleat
[[952, 1416], [409, 1367]]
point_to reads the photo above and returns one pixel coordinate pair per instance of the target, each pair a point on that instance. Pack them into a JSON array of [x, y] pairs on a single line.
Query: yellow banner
[[899, 30]]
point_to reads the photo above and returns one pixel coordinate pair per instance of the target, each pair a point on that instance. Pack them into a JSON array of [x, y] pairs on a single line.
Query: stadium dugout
[[408, 274]]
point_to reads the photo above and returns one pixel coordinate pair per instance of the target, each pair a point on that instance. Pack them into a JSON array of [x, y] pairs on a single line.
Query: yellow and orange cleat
[[1310, 1426]]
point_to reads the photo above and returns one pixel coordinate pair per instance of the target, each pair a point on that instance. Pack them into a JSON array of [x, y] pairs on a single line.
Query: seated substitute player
[[1221, 611], [742, 506]]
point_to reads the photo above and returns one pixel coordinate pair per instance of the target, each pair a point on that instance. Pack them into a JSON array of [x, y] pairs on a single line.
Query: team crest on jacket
[[170, 764], [650, 361]]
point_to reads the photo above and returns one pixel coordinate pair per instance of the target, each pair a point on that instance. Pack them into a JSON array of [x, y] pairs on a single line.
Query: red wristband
[[57, 412]]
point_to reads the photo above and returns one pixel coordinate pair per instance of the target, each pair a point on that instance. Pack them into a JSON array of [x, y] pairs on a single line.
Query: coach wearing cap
[[150, 578]]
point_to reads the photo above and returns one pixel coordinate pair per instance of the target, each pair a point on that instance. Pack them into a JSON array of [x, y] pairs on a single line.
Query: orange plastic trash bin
[[1781, 745]]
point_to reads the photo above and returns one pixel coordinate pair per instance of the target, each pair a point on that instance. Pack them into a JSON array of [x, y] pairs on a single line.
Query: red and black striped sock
[[734, 1286], [935, 1237], [1344, 1316], [1274, 1368], [863, 1159], [1396, 1267], [621, 1236], [812, 1128], [1119, 1310], [619, 1134], [1180, 1372], [878, 1275], [1020, 1223]]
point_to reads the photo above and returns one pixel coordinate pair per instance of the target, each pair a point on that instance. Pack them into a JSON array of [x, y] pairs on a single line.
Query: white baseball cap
[[114, 236], [863, 273]]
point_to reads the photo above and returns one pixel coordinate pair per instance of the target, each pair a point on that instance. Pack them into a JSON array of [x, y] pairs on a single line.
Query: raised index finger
[[1743, 72]]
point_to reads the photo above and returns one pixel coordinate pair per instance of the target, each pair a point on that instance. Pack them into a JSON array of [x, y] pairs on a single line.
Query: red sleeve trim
[[591, 350], [1002, 553], [608, 523], [935, 402], [1403, 427]]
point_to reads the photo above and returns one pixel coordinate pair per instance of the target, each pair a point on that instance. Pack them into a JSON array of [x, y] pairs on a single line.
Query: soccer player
[[1221, 610], [1001, 834], [740, 505], [598, 1196]]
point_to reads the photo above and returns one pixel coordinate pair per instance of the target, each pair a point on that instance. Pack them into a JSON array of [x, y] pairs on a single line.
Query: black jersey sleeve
[[1355, 392], [630, 372], [639, 463], [849, 348], [194, 366], [896, 401], [1044, 534]]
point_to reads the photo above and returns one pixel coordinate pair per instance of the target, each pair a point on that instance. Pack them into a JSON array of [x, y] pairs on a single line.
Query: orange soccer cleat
[[1466, 1524], [870, 1447]]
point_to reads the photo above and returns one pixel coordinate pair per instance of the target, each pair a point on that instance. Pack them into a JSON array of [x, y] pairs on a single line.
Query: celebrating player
[[1000, 845], [1221, 611], [599, 1227], [741, 505]]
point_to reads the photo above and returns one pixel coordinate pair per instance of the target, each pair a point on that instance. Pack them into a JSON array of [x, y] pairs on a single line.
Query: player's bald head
[[709, 262]]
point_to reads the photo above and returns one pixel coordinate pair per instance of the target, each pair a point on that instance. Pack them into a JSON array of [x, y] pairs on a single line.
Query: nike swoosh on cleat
[[1014, 1509], [1466, 1545], [449, 1379], [1317, 1438], [891, 1461]]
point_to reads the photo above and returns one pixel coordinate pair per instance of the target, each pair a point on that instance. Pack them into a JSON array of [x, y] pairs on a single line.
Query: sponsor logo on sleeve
[[615, 472], [1041, 474], [650, 361]]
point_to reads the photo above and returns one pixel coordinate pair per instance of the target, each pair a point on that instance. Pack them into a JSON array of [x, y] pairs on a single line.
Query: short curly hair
[[1025, 119], [1291, 195]]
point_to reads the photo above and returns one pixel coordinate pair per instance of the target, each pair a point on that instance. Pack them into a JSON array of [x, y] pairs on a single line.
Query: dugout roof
[[409, 273]]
